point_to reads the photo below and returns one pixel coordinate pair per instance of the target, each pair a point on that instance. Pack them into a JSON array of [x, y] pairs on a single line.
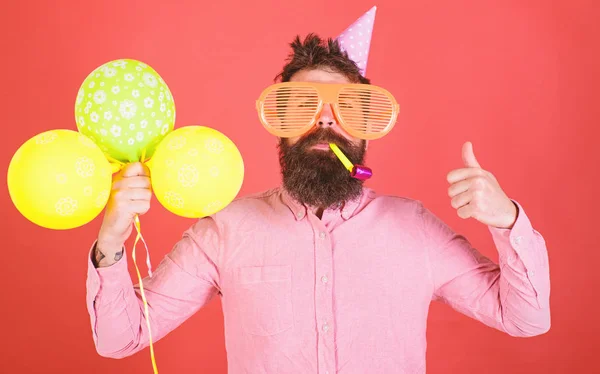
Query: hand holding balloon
[[130, 196]]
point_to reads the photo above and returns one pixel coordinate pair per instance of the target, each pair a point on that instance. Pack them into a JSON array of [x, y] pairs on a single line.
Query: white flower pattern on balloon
[[188, 175], [86, 141], [131, 141], [108, 116], [120, 63], [94, 117], [66, 206], [150, 80], [164, 129], [148, 102], [174, 199], [85, 167], [102, 198], [214, 145], [80, 96], [127, 109], [129, 77], [212, 206], [214, 171], [176, 142], [110, 72], [61, 178], [87, 190], [115, 130], [45, 138], [143, 123], [99, 97], [135, 93], [139, 136], [116, 89]]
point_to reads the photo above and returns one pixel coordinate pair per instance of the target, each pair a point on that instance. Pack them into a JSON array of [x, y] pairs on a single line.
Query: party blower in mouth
[[356, 171]]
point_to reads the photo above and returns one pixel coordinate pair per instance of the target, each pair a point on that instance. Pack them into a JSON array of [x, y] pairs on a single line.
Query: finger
[[133, 182], [134, 169], [461, 199], [468, 156], [465, 211], [459, 187], [457, 175], [133, 194], [140, 207]]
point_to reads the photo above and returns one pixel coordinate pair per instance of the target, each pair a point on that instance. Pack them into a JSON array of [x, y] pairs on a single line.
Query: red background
[[518, 79]]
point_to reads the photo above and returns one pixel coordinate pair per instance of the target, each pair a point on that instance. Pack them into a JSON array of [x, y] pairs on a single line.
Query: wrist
[[106, 253]]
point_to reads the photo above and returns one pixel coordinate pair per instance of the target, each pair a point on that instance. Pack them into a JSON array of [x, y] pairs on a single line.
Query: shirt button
[[324, 279], [325, 327], [531, 273], [299, 214], [517, 240], [322, 235]]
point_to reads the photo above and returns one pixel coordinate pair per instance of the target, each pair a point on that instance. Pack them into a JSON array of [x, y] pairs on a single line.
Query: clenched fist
[[476, 193], [130, 196]]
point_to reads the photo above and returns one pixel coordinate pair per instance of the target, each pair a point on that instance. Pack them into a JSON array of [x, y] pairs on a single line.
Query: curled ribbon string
[[147, 314], [116, 166]]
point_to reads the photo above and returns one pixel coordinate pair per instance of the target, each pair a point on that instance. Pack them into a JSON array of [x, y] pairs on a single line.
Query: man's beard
[[317, 178]]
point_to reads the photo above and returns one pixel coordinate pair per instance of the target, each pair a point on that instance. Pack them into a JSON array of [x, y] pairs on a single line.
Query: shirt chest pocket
[[264, 294]]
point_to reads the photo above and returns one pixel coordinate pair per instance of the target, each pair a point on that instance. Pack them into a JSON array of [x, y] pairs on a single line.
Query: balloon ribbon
[[117, 165]]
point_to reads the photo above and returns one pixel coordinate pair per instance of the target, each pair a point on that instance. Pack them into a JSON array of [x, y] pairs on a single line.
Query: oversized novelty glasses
[[291, 108]]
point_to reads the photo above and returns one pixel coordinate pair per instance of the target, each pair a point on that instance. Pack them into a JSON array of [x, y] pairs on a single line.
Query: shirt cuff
[[112, 277], [523, 249], [514, 241]]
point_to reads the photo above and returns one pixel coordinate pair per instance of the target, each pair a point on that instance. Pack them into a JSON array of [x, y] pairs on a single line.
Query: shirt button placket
[[324, 300]]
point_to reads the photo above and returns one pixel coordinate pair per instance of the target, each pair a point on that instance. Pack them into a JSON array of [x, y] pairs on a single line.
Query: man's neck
[[319, 212]]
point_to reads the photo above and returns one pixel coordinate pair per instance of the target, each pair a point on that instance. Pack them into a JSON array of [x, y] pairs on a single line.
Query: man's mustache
[[322, 136]]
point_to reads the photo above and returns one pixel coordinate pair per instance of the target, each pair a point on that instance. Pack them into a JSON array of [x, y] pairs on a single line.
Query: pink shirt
[[348, 293]]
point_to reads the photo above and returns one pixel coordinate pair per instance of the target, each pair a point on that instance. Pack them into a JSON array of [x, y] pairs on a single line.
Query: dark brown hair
[[313, 53]]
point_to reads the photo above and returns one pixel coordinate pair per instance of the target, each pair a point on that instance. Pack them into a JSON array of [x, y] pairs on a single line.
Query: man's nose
[[326, 118]]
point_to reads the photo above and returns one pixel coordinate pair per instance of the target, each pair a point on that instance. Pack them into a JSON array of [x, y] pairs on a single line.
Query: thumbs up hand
[[476, 193]]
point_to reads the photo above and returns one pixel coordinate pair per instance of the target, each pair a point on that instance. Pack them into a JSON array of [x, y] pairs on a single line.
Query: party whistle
[[356, 171]]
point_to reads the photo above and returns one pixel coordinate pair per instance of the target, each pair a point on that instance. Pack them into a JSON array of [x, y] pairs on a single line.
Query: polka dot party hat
[[356, 39]]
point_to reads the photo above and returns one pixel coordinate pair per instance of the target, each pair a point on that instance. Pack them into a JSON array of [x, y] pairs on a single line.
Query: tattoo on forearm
[[118, 255], [98, 256]]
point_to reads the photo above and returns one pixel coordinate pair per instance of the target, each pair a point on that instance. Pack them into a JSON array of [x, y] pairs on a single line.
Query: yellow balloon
[[59, 179], [196, 171]]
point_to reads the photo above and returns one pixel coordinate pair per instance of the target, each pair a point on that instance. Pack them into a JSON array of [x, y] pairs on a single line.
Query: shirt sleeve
[[185, 280], [512, 295]]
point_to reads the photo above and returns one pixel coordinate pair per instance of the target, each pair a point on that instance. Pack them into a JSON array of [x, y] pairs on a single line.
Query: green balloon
[[126, 108]]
